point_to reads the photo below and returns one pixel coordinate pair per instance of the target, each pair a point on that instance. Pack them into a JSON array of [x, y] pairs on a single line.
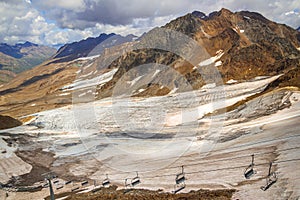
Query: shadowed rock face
[[8, 122]]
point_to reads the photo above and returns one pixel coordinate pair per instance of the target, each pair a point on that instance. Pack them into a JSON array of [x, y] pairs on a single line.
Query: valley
[[177, 113]]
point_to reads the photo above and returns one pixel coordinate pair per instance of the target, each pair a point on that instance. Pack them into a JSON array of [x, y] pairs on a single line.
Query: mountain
[[87, 47], [298, 29], [20, 57], [246, 43], [206, 91], [242, 45]]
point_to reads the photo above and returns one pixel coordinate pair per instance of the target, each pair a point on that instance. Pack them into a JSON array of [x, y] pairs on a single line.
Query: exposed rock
[[8, 122]]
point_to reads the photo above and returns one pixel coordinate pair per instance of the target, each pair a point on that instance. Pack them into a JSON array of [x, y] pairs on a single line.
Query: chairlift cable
[[234, 147], [219, 160]]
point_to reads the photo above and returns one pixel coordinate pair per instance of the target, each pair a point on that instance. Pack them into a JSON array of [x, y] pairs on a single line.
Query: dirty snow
[[205, 34], [231, 81], [218, 63], [99, 80], [87, 58], [155, 73], [173, 90], [214, 152], [213, 59], [64, 94]]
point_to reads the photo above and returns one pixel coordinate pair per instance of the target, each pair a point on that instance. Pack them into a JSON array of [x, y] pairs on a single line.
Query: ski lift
[[106, 181], [270, 180], [59, 187], [84, 183], [49, 176], [178, 187], [180, 181], [68, 182], [180, 178], [136, 180], [74, 189], [249, 171], [127, 185]]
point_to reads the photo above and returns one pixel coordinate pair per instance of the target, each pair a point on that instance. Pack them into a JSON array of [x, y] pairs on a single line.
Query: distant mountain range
[[90, 46], [17, 58], [242, 45]]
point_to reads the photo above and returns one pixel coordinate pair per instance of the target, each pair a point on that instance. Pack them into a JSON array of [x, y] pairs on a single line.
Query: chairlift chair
[[106, 181], [84, 183], [68, 182], [136, 180], [178, 187], [59, 187], [126, 184], [45, 185], [180, 178], [74, 189], [270, 180], [249, 171]]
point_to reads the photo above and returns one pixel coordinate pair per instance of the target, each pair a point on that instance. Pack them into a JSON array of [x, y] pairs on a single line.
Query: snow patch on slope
[[87, 58], [213, 59], [91, 82]]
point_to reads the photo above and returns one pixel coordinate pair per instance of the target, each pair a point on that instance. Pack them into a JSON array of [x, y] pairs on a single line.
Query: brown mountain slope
[[8, 122], [247, 44]]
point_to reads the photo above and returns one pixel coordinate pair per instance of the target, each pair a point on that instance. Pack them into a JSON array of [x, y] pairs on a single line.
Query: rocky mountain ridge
[[20, 57], [90, 46], [242, 46]]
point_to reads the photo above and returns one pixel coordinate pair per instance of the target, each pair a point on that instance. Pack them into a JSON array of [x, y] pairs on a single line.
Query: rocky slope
[[17, 58], [87, 47], [8, 122]]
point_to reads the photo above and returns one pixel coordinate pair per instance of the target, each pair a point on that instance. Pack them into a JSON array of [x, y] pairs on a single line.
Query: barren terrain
[[84, 142]]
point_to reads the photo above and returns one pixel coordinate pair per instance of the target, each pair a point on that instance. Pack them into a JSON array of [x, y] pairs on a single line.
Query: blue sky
[[52, 22]]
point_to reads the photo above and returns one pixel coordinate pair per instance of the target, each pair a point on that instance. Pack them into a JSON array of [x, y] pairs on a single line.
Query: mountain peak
[[199, 14], [225, 11], [28, 44], [88, 46]]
